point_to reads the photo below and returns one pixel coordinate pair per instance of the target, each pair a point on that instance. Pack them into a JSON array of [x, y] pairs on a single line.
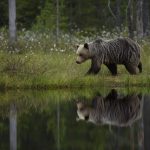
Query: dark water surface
[[75, 120]]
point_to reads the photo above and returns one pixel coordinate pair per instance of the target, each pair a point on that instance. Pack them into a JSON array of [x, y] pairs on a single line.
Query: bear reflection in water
[[114, 109]]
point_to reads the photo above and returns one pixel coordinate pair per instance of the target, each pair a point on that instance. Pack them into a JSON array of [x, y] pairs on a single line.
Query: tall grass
[[59, 70]]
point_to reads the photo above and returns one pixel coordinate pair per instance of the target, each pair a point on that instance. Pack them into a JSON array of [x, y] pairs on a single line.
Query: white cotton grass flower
[[62, 50]]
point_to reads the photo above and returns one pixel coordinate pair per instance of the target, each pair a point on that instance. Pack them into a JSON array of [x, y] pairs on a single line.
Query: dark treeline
[[87, 15]]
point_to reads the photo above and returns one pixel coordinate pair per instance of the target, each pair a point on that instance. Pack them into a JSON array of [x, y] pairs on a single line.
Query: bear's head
[[83, 111], [82, 53]]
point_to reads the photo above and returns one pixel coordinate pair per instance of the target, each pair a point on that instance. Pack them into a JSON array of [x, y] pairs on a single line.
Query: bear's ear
[[86, 45]]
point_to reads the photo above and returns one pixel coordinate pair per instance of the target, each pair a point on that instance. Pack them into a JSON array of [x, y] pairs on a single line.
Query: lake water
[[104, 119]]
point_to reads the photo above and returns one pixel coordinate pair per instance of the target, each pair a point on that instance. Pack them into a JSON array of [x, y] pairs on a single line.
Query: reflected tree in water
[[146, 117], [13, 127], [58, 125]]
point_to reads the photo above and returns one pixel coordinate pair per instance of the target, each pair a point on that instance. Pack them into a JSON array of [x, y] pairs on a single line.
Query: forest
[[38, 38], [85, 15]]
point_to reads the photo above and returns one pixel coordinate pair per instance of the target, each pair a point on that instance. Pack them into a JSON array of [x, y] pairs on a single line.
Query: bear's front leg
[[113, 68], [95, 68]]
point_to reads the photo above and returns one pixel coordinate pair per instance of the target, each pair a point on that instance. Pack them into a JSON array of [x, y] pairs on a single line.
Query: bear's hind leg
[[132, 69], [112, 68]]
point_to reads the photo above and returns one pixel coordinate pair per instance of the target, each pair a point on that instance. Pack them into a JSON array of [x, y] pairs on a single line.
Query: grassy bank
[[59, 70]]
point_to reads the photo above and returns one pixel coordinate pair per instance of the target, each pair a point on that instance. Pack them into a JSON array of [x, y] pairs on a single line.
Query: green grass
[[58, 70]]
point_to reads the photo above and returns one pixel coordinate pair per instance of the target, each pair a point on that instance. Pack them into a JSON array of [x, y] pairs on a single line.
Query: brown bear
[[112, 52]]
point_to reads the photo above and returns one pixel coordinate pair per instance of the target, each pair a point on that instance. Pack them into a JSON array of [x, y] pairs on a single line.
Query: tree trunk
[[12, 22], [139, 19], [146, 21], [118, 15], [57, 20], [130, 19], [70, 21]]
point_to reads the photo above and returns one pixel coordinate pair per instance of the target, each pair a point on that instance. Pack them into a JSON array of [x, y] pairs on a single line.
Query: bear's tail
[[140, 67]]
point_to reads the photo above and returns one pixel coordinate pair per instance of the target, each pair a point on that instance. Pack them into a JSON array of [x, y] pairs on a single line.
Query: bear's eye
[[81, 109]]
